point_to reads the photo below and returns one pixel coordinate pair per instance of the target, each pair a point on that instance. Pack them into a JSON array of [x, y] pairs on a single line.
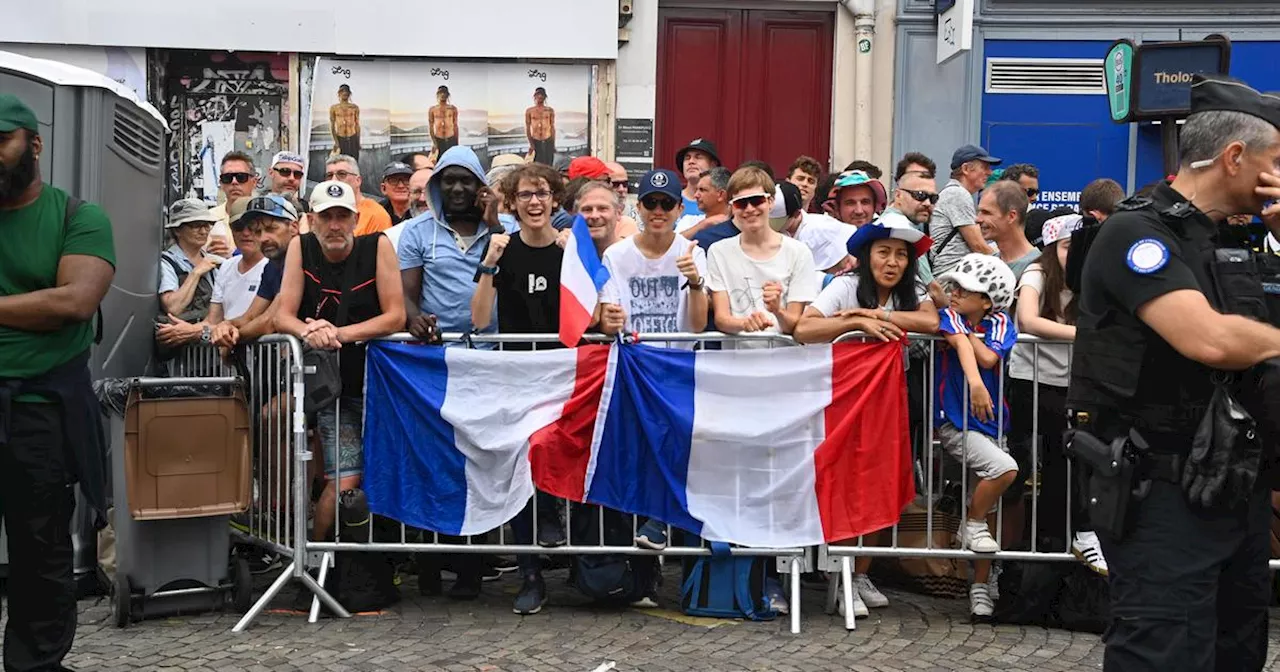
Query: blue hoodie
[[448, 273]]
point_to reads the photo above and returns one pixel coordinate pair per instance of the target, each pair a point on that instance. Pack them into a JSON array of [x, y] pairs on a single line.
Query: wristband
[[487, 270]]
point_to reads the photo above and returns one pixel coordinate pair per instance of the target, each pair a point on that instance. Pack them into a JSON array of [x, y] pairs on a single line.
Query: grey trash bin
[[180, 462]]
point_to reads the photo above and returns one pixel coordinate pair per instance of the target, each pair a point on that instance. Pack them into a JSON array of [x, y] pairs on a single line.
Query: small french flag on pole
[[582, 276]]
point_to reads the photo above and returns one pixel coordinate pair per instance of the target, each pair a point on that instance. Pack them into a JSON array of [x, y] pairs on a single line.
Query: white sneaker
[[1087, 547], [993, 582], [859, 607], [980, 603], [977, 537], [871, 596]]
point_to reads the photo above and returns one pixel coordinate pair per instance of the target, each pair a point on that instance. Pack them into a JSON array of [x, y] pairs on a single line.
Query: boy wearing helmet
[[979, 333]]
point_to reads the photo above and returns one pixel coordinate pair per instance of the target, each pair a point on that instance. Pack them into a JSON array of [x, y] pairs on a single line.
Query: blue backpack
[[726, 586]]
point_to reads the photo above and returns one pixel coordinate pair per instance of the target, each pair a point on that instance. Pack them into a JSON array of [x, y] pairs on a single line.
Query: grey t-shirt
[[1019, 265], [954, 209]]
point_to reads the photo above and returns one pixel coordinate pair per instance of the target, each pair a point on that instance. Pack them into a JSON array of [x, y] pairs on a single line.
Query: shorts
[[987, 459], [343, 445]]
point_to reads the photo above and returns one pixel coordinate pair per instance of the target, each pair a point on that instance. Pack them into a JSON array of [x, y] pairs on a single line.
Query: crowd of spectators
[[453, 248]]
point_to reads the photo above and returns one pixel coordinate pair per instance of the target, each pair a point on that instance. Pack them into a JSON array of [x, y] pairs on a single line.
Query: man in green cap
[[56, 263]]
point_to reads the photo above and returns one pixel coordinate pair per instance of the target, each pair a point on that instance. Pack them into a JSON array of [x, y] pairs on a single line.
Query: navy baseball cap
[[660, 181], [969, 153]]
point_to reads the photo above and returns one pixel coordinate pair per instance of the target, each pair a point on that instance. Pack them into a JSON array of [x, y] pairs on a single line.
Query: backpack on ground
[[1055, 595], [360, 581], [726, 586], [608, 577]]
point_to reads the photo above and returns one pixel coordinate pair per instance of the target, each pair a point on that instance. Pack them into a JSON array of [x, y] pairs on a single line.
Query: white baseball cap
[[333, 194]]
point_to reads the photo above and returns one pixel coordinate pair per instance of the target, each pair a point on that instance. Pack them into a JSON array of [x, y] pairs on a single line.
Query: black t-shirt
[[1140, 255], [528, 289], [391, 211]]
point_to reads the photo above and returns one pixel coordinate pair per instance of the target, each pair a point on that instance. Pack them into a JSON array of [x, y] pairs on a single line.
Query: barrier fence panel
[[942, 483]]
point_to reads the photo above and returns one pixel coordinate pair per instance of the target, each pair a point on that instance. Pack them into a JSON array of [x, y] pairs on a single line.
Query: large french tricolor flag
[[582, 276], [777, 448]]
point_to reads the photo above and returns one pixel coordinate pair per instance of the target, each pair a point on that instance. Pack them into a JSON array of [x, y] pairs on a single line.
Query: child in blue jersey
[[972, 418]]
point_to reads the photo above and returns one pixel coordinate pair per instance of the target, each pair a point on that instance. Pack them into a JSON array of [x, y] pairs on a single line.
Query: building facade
[[1031, 89]]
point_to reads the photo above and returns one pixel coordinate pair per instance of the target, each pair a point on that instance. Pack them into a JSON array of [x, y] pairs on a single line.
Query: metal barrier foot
[[324, 596], [795, 595], [846, 581], [326, 561], [276, 587]]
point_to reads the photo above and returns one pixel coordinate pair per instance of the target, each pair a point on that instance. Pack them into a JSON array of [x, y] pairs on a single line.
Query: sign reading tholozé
[[1153, 80]]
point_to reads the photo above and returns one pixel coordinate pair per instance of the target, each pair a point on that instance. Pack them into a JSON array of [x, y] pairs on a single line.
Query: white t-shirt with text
[[652, 292]]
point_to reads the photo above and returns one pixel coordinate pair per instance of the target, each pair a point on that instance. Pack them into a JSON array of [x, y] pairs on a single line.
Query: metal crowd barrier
[[283, 433]]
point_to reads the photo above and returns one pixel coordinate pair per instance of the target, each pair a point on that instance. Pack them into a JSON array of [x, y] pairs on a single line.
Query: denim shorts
[[343, 445]]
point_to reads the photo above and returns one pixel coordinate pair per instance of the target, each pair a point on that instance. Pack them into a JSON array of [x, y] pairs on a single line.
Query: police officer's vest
[[1121, 368]]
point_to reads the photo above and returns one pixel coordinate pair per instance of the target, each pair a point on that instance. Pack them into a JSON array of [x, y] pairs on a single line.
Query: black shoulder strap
[[947, 239], [73, 205]]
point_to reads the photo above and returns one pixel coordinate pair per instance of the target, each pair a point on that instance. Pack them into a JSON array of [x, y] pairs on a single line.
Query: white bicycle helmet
[[986, 274]]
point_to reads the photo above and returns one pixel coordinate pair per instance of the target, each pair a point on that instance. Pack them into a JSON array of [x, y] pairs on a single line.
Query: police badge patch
[[1147, 256]]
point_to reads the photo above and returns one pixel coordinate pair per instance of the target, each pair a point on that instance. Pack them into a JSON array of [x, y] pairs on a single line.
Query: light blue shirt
[[448, 272], [169, 277]]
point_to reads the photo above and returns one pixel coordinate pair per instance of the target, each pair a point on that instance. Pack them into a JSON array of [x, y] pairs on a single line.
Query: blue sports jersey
[[998, 333]]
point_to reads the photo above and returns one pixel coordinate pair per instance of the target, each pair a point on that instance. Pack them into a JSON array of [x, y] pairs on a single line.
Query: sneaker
[[551, 534], [503, 564], [646, 602], [776, 597], [652, 535], [490, 574], [1087, 547], [466, 587], [981, 607], [859, 607], [977, 537], [993, 582], [871, 596], [261, 562], [532, 596]]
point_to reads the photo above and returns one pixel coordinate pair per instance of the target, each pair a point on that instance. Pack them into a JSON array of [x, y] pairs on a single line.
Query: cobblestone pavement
[[915, 633]]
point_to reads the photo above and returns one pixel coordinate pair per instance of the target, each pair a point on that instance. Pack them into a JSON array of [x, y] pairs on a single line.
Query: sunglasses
[[1032, 193], [754, 200], [289, 172], [238, 178], [620, 184], [663, 203], [922, 195]]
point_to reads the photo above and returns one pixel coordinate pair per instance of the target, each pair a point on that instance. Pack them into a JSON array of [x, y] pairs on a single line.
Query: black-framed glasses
[[753, 200], [658, 202], [922, 195], [526, 196], [238, 178], [1032, 193], [290, 172]]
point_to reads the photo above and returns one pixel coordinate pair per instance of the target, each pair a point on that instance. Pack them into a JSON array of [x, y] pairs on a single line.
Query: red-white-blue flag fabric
[[582, 276], [783, 447]]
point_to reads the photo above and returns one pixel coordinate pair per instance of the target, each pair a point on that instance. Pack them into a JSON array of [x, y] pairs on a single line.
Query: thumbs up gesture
[[684, 263]]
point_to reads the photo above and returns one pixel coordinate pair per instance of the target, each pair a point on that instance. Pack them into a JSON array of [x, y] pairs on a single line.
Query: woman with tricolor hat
[[882, 297]]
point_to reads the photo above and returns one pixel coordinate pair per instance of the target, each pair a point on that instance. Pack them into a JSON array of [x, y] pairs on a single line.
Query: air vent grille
[[134, 136], [1045, 76]]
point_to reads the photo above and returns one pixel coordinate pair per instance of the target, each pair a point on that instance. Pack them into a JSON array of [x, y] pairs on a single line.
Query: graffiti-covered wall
[[217, 102]]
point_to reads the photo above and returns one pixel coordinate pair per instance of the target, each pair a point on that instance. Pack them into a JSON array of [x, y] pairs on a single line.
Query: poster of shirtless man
[[540, 127], [443, 119], [344, 124]]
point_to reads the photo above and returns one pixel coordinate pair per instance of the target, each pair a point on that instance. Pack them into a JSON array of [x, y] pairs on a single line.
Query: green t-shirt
[[33, 243]]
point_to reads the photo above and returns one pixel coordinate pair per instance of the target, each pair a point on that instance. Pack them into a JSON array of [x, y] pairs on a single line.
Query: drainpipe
[[864, 14]]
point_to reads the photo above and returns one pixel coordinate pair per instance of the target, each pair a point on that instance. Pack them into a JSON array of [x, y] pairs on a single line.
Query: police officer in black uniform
[[1167, 318]]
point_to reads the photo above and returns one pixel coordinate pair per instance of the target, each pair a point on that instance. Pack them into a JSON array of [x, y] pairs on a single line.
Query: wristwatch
[[206, 334], [487, 270], [702, 282]]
